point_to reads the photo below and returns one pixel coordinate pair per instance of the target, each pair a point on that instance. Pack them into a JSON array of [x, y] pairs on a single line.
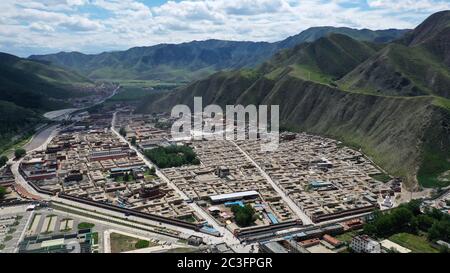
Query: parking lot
[[13, 221]]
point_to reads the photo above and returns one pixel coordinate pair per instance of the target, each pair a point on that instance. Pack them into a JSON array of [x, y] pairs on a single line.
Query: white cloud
[[36, 26], [410, 5], [101, 25], [76, 2], [77, 23]]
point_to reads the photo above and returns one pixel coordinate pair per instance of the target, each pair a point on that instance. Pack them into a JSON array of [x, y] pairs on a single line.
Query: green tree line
[[409, 218], [172, 156]]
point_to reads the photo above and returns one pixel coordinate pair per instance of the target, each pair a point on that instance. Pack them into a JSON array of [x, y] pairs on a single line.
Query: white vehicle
[[31, 207]]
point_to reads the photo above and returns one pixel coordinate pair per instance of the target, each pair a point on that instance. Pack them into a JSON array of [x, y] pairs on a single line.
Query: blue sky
[[93, 26]]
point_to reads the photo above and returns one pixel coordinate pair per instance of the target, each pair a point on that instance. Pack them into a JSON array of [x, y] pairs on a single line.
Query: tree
[[152, 171], [2, 192], [3, 160], [123, 132], [18, 153], [401, 220], [244, 216], [435, 214], [413, 206], [440, 230], [133, 140], [384, 226], [370, 229], [172, 156], [425, 222]]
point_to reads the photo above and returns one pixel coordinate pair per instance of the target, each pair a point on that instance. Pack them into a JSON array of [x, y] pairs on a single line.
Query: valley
[[362, 132]]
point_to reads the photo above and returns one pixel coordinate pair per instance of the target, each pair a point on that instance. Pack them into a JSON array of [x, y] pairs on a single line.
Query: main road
[[41, 138], [62, 114]]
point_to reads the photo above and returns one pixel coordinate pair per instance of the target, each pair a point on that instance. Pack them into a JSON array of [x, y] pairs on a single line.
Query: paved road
[[45, 134], [305, 219], [11, 245], [40, 138], [59, 114], [62, 114], [30, 192]]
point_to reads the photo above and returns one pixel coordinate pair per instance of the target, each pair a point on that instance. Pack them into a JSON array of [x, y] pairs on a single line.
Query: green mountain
[[16, 120], [367, 35], [188, 61], [37, 85], [324, 61], [417, 65], [406, 134], [27, 89]]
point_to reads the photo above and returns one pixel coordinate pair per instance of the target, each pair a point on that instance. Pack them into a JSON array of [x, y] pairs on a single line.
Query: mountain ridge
[[405, 133], [193, 60], [29, 88]]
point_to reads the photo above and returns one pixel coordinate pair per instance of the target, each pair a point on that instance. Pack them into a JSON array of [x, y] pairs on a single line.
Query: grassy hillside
[[398, 70], [429, 30], [324, 60], [418, 64], [396, 132], [30, 88], [15, 122], [36, 85]]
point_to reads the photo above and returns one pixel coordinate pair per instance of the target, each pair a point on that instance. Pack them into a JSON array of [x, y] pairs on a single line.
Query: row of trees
[[172, 156], [408, 218]]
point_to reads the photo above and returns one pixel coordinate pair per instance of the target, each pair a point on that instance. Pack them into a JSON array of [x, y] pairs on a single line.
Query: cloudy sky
[[92, 26]]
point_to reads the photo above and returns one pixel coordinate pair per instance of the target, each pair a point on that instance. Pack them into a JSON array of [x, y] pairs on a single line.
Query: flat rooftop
[[391, 245], [50, 243], [233, 196]]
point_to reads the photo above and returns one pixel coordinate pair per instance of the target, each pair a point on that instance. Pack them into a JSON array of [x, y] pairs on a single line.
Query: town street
[[305, 219], [228, 237], [114, 216]]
